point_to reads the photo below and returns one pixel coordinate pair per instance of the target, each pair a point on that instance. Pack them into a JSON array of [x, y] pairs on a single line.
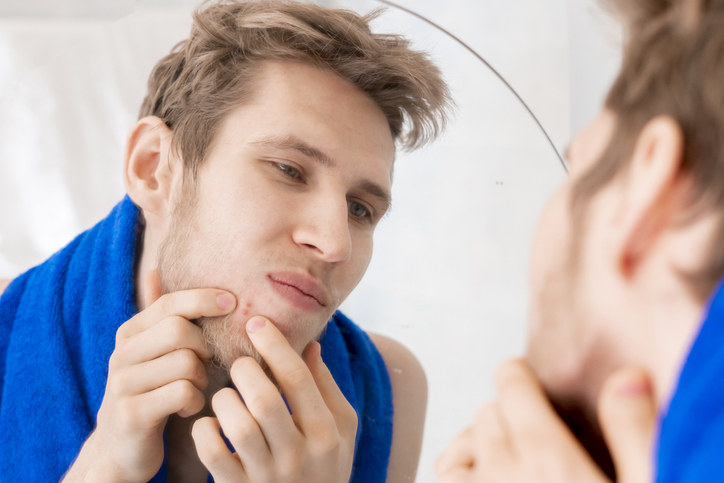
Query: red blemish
[[247, 306]]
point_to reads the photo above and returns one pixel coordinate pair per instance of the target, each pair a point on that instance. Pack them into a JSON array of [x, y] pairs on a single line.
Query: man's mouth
[[300, 289]]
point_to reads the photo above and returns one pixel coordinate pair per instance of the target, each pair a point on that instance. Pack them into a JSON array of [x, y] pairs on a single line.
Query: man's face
[[286, 204], [567, 344]]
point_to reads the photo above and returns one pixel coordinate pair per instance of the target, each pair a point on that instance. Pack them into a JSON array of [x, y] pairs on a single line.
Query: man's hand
[[520, 438], [315, 442], [155, 370]]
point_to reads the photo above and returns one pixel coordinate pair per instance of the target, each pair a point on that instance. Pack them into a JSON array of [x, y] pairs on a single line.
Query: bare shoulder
[[401, 363], [409, 393], [3, 284]]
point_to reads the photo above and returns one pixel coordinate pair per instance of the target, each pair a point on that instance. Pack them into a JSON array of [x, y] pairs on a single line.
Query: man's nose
[[323, 228]]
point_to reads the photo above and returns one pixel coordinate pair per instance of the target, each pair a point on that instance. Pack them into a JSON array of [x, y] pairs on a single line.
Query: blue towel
[[691, 434], [57, 331]]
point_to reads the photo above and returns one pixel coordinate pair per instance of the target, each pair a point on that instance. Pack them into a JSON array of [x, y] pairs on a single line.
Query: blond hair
[[206, 76], [673, 65]]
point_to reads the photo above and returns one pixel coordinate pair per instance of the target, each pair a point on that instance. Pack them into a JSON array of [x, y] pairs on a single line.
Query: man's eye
[[358, 210], [289, 171]]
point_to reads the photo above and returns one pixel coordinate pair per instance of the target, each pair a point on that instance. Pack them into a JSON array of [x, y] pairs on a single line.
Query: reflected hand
[[314, 443], [520, 438]]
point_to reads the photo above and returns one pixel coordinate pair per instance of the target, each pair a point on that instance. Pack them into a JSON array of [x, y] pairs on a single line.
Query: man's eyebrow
[[382, 195], [296, 144]]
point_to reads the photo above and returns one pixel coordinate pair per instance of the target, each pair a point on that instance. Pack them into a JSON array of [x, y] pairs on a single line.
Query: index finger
[[522, 401], [458, 456], [189, 304], [291, 372]]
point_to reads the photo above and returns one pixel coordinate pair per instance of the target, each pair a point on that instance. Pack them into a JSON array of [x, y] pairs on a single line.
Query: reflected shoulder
[[3, 284]]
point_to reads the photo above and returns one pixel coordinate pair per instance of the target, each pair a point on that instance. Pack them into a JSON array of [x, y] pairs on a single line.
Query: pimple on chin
[[246, 309]]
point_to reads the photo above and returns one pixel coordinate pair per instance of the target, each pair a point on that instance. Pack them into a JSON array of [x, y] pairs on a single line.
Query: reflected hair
[[206, 76], [673, 65]]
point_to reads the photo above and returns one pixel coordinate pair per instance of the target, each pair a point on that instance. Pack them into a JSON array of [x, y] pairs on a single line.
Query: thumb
[[627, 415]]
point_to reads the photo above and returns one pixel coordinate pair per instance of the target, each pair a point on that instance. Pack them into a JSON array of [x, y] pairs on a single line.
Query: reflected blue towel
[[57, 331], [691, 438]]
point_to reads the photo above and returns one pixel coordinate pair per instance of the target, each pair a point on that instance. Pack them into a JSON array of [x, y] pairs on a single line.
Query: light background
[[449, 274]]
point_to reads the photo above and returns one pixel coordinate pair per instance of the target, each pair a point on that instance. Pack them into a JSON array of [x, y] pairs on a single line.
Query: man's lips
[[305, 284]]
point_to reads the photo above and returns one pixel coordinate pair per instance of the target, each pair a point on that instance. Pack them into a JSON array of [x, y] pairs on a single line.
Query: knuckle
[[212, 451], [126, 415], [176, 331], [327, 444], [244, 430], [167, 302], [349, 416], [298, 377], [184, 390], [292, 465], [263, 405], [187, 361], [122, 333], [119, 383], [114, 361]]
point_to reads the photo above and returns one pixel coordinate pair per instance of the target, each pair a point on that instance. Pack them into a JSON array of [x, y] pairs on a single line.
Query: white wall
[[449, 275]]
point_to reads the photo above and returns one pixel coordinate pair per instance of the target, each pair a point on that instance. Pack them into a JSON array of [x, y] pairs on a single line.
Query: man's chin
[[227, 341]]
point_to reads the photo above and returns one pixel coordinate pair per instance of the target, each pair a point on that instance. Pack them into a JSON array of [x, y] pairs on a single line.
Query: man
[[256, 174], [626, 315]]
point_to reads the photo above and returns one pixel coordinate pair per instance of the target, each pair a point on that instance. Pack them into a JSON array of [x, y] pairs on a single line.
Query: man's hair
[[213, 72], [673, 64]]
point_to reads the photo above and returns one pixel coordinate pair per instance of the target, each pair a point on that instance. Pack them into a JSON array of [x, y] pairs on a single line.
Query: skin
[[286, 210], [607, 333]]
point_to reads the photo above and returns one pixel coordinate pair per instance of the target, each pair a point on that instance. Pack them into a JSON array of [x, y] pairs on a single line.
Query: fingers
[[479, 451], [262, 412], [458, 458], [214, 454], [155, 370], [150, 375], [627, 414], [341, 409], [491, 433], [189, 304], [282, 438], [151, 409], [171, 333], [292, 374], [521, 397]]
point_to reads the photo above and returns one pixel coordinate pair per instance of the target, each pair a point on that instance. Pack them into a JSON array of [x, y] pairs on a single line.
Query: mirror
[[449, 274]]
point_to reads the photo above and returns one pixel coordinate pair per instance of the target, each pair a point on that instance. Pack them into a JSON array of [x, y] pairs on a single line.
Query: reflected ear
[[654, 190], [147, 168]]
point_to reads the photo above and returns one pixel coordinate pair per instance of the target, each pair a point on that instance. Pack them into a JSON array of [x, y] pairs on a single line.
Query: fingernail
[[635, 387], [225, 301], [254, 324]]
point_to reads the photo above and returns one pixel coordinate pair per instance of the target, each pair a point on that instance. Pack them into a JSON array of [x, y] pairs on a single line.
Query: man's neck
[[675, 324], [182, 460]]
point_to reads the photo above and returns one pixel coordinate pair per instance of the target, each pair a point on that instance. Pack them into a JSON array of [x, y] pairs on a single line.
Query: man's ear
[[147, 168], [654, 188]]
